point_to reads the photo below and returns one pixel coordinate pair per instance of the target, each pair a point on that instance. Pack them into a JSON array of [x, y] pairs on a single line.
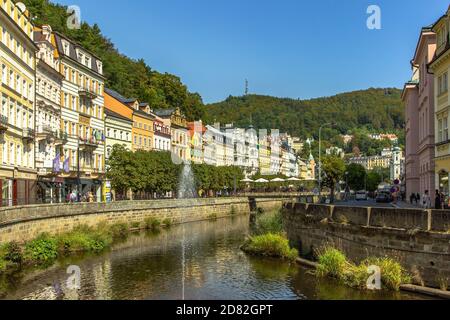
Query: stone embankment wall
[[25, 223], [418, 239]]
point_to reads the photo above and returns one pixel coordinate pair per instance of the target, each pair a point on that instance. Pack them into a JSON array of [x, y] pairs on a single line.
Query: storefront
[[18, 188], [87, 187], [50, 190]]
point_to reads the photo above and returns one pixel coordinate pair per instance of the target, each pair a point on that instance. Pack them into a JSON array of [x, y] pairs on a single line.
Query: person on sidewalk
[[418, 198], [437, 201], [426, 200], [412, 198]]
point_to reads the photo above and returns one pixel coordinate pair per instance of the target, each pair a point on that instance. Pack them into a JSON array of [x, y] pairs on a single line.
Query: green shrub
[[152, 223], [136, 225], [167, 222], [270, 245], [270, 223], [119, 231], [3, 264], [84, 239], [13, 253], [392, 273], [332, 262], [43, 249]]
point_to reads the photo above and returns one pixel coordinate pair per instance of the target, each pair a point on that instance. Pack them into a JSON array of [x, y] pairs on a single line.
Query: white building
[[397, 166], [82, 117], [49, 137]]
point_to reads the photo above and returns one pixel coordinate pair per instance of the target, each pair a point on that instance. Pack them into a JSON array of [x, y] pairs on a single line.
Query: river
[[150, 266]]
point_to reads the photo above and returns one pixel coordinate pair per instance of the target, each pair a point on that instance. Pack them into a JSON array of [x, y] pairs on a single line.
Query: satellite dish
[[21, 7]]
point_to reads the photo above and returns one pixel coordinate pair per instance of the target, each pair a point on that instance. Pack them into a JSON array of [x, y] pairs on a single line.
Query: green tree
[[333, 169], [355, 176], [373, 180]]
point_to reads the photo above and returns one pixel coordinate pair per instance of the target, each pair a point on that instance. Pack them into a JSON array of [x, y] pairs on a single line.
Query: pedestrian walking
[[437, 201], [418, 198], [412, 198], [426, 200]]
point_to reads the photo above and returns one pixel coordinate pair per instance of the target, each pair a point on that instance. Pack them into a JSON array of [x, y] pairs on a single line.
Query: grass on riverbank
[[270, 245], [268, 223], [46, 248], [268, 238], [334, 263]]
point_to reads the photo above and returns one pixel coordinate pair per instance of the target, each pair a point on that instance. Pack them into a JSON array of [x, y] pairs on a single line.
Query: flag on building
[[56, 163], [66, 165]]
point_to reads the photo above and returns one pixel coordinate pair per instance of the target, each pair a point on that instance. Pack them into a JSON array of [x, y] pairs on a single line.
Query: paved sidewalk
[[405, 205]]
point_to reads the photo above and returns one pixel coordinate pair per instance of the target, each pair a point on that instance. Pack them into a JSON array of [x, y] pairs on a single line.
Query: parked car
[[361, 195], [384, 197]]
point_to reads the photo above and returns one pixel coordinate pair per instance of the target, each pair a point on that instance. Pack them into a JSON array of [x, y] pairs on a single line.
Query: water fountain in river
[[186, 185], [186, 190]]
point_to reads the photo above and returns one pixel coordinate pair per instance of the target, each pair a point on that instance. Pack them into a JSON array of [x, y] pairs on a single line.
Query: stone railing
[[23, 223], [419, 239]]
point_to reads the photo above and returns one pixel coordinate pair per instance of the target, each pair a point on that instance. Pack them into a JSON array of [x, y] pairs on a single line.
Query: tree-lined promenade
[[154, 174], [150, 174]]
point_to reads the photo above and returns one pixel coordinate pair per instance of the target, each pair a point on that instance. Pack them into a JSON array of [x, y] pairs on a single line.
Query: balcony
[[28, 134], [44, 132], [88, 144], [87, 92], [3, 123], [60, 137]]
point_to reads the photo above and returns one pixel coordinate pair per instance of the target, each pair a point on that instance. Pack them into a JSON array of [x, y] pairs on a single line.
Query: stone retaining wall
[[25, 223], [419, 239]]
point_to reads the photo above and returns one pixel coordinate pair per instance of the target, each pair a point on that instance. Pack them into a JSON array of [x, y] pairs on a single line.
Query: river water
[[149, 266]]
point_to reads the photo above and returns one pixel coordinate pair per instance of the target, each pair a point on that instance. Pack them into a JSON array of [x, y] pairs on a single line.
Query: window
[[443, 83], [445, 129], [440, 130], [4, 74]]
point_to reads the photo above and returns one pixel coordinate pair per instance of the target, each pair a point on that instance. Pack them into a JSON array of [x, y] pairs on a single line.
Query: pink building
[[418, 96]]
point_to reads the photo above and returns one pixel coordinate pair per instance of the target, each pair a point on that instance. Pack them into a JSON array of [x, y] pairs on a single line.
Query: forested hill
[[377, 110], [130, 77]]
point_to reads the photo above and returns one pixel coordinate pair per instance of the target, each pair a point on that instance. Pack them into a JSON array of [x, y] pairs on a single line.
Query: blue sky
[[287, 48]]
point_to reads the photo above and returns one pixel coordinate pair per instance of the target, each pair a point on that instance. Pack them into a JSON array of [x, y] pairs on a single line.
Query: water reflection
[[149, 266]]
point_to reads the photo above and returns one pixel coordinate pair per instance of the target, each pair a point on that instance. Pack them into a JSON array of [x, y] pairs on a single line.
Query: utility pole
[[320, 158], [246, 87]]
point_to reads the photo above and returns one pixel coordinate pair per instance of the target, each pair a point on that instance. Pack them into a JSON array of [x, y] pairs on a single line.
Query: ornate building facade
[[17, 95]]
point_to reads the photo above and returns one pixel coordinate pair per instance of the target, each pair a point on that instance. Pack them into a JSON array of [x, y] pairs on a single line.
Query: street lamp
[[320, 156]]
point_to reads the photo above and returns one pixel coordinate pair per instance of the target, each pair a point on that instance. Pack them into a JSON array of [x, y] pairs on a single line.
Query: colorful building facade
[[418, 96], [49, 136], [82, 117], [440, 68], [18, 177], [177, 122]]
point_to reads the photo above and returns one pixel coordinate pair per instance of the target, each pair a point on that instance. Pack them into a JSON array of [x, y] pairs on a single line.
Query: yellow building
[[17, 95], [440, 67], [142, 130]]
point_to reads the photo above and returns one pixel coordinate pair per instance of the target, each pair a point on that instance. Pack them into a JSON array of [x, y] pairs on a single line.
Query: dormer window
[[65, 47], [100, 67], [88, 62]]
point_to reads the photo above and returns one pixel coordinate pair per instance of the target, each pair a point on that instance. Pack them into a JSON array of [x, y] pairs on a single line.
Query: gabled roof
[[164, 112], [72, 51], [424, 32], [119, 97], [144, 114], [110, 113]]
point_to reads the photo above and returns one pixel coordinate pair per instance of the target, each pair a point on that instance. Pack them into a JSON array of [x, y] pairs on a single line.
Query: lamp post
[[320, 156]]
